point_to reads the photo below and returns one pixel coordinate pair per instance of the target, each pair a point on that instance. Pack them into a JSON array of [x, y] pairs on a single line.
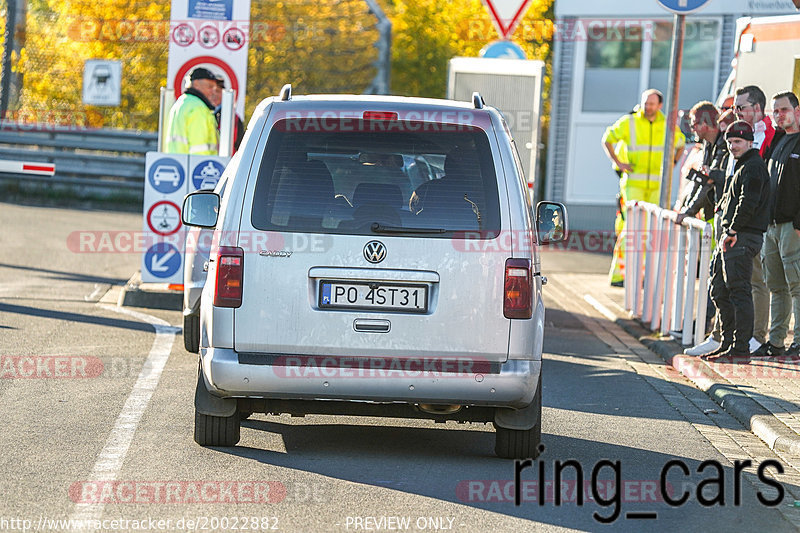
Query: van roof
[[360, 100]]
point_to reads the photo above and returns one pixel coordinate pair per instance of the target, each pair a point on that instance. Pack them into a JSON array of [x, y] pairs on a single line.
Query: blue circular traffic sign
[[162, 260], [166, 175], [682, 7], [503, 50], [206, 174]]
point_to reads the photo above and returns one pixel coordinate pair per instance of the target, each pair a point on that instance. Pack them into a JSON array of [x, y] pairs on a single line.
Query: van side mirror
[[200, 209], [551, 222]]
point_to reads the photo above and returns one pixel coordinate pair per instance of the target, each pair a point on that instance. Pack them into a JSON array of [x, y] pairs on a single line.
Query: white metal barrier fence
[[661, 266]]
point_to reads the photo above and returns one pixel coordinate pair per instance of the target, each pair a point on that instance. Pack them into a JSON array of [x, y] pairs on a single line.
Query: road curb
[[149, 295], [745, 409]]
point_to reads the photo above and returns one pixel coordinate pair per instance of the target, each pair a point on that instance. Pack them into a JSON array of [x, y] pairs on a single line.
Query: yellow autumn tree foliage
[[62, 35], [317, 45], [428, 33]]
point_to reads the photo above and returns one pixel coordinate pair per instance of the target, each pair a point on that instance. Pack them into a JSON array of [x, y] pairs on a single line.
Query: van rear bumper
[[229, 374]]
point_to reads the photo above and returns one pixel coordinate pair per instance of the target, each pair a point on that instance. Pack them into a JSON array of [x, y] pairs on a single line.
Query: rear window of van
[[378, 178]]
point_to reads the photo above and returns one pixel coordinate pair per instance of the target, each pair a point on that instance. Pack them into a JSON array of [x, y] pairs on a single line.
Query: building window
[[611, 80], [699, 59], [616, 67]]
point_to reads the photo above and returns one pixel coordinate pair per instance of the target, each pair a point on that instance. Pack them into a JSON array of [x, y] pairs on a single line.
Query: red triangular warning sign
[[506, 14]]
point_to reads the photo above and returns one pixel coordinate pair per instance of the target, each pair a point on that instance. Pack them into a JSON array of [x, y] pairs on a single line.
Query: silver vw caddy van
[[374, 256]]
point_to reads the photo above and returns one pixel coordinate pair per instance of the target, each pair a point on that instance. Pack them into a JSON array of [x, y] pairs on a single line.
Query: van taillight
[[517, 301], [230, 268]]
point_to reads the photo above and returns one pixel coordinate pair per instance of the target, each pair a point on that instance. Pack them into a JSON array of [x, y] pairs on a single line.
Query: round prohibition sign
[[164, 228], [208, 36], [233, 39], [210, 60], [183, 34]]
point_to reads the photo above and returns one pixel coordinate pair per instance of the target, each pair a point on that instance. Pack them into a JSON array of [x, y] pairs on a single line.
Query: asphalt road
[[88, 435]]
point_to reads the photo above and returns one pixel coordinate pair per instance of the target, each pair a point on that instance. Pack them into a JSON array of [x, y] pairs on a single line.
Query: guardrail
[[662, 265], [106, 160]]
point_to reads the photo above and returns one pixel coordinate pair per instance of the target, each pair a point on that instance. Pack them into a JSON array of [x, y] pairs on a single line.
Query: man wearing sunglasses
[[749, 106]]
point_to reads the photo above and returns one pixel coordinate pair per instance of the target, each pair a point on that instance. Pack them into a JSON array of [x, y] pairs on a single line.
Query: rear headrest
[[378, 193], [460, 162], [313, 183]]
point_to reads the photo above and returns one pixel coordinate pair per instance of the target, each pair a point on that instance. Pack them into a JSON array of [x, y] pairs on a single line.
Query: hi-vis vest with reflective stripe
[[643, 146], [191, 128]]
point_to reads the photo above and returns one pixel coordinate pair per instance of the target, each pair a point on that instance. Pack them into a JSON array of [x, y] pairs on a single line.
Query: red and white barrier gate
[[23, 167]]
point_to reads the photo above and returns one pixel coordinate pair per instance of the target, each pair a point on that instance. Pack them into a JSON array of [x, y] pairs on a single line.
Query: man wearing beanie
[[191, 126], [750, 105], [744, 216]]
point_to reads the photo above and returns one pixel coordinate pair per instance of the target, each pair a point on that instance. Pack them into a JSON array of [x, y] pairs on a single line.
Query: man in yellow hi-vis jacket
[[635, 145], [191, 126]]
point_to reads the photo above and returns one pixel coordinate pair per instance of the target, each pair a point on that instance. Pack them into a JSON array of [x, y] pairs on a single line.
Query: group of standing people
[[749, 185]]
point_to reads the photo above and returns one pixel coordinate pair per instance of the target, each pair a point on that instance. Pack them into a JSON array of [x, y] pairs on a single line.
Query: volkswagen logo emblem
[[374, 251]]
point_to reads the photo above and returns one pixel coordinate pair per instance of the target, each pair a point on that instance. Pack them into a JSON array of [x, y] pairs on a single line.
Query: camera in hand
[[697, 176]]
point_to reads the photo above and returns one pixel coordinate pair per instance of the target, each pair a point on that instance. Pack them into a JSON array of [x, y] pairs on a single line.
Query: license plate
[[373, 295]]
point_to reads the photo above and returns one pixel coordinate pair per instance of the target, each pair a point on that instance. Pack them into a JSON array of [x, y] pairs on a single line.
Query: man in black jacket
[[744, 215], [709, 194], [781, 253]]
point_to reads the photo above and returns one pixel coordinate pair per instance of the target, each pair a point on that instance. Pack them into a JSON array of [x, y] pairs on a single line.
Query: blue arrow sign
[[162, 260], [682, 7], [503, 50]]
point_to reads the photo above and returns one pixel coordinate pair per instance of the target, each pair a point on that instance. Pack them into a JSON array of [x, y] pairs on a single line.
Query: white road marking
[[96, 292], [602, 309], [112, 456]]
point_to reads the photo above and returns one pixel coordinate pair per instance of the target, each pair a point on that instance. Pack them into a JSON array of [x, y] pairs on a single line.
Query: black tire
[[191, 333], [521, 443], [216, 430]]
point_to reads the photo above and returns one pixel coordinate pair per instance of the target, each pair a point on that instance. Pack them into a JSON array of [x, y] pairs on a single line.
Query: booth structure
[[513, 86], [605, 55]]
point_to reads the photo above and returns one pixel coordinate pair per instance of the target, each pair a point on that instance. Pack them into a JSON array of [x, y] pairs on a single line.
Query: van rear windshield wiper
[[380, 228]]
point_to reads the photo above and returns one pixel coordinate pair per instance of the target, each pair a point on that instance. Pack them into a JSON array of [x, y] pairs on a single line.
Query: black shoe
[[722, 348], [617, 283], [768, 350], [731, 355], [793, 350]]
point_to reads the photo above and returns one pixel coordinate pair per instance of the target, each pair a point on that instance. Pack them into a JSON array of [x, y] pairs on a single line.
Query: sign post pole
[[673, 97], [681, 8]]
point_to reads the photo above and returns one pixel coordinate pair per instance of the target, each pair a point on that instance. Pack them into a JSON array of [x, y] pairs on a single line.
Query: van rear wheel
[[518, 443], [216, 430], [191, 333], [521, 443]]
